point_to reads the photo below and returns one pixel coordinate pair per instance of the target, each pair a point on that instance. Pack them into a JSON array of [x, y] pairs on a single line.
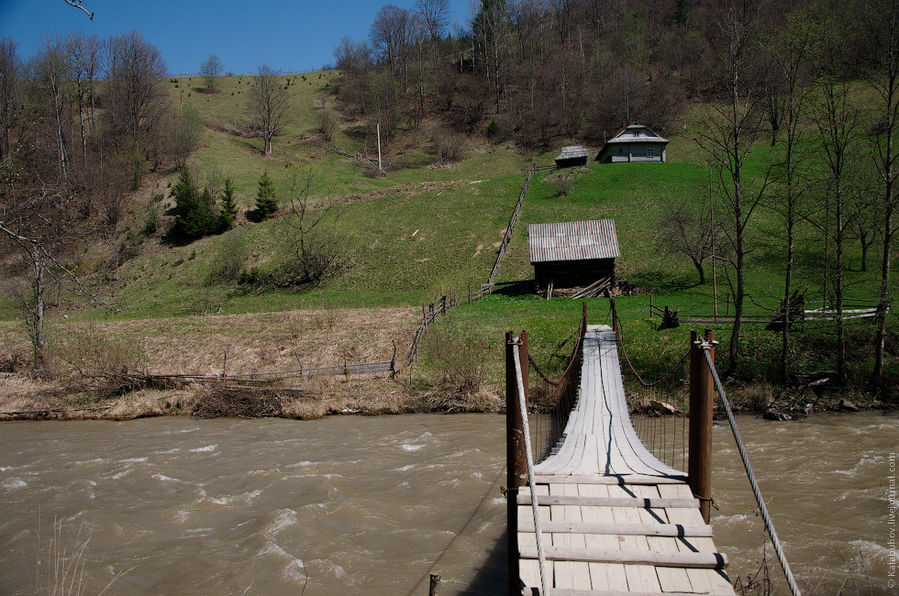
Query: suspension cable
[[769, 525], [522, 404], [619, 335]]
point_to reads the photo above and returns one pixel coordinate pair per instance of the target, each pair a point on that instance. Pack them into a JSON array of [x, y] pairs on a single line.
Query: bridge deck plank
[[599, 480]]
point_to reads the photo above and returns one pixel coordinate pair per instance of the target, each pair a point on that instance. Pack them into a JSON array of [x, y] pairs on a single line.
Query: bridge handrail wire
[[522, 404], [619, 335], [554, 405], [769, 525], [571, 361]]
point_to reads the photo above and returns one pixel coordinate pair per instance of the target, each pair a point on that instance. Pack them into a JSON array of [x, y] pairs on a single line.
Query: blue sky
[[288, 36]]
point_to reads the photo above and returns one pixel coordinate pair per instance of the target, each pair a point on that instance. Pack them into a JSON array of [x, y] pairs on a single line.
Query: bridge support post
[[516, 458], [699, 466]]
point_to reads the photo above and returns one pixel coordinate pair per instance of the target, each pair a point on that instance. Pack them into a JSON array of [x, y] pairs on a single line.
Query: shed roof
[[572, 152], [637, 133], [573, 241]]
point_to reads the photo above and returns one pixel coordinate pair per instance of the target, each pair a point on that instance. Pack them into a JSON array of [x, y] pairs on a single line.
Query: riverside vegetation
[[339, 271]]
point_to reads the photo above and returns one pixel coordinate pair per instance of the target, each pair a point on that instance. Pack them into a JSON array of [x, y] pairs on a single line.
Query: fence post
[[650, 306], [516, 460], [614, 315], [699, 466]]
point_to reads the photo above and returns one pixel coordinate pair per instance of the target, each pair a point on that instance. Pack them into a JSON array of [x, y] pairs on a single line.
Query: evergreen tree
[[228, 211], [266, 205], [194, 216]]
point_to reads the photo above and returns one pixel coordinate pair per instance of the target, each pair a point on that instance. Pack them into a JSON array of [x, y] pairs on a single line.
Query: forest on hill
[[534, 71]]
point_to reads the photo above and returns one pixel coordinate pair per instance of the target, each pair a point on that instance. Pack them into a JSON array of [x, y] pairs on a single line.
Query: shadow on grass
[[524, 287]]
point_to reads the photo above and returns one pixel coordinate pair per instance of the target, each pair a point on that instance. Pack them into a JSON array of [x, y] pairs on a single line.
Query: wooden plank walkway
[[613, 518]]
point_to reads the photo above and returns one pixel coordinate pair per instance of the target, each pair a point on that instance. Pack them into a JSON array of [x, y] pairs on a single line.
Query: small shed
[[572, 155], [635, 143], [573, 254]]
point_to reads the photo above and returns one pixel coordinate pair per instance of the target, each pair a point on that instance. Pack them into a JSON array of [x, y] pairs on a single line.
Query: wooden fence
[[508, 234], [852, 309], [430, 312]]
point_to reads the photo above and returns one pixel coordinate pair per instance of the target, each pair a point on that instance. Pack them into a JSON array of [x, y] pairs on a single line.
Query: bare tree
[[136, 102], [434, 15], [36, 221], [211, 70], [52, 68], [314, 249], [689, 232], [391, 35], [268, 105], [185, 135], [837, 121], [730, 128], [84, 63], [491, 30], [9, 93], [882, 33], [789, 54]]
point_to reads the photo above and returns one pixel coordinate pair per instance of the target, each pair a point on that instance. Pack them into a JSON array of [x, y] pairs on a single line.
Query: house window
[[650, 152]]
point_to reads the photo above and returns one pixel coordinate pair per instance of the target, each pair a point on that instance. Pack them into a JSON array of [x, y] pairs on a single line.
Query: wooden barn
[[635, 143], [572, 155], [573, 254]]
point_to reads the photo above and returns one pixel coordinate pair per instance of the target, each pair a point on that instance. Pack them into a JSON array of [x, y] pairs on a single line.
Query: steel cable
[[522, 404], [769, 525]]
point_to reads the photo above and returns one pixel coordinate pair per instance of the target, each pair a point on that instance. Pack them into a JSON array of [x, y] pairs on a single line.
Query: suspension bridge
[[599, 513]]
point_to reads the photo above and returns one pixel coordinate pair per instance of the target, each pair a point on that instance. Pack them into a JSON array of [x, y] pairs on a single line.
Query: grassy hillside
[[425, 230]]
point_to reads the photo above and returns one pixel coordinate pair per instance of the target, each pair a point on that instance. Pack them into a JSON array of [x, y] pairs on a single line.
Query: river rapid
[[354, 504]]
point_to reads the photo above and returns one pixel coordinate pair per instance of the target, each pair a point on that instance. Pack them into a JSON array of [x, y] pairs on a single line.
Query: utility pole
[[380, 169], [712, 232]]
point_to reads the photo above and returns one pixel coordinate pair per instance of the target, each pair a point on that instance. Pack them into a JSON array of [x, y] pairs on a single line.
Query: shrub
[[563, 185], [450, 147], [458, 362], [327, 123], [93, 353], [229, 260]]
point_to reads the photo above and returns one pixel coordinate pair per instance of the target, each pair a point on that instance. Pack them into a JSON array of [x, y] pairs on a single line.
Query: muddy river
[[348, 505]]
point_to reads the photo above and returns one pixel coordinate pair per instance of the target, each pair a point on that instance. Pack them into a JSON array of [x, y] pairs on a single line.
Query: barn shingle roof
[[573, 241], [572, 152]]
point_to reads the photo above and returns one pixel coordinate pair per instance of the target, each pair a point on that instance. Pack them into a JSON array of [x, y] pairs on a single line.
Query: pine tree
[[228, 211], [266, 205], [194, 215]]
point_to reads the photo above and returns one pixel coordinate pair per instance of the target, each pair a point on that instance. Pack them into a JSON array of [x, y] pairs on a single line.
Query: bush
[[93, 353], [229, 260], [450, 147], [327, 123], [563, 185], [458, 362]]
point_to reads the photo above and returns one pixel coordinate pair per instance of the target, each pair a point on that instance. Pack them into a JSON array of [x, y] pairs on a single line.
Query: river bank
[[25, 397]]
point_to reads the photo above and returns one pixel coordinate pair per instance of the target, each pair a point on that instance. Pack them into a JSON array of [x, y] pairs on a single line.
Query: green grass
[[424, 231]]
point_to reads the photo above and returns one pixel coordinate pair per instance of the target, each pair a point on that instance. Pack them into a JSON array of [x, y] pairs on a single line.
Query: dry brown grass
[[252, 342]]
